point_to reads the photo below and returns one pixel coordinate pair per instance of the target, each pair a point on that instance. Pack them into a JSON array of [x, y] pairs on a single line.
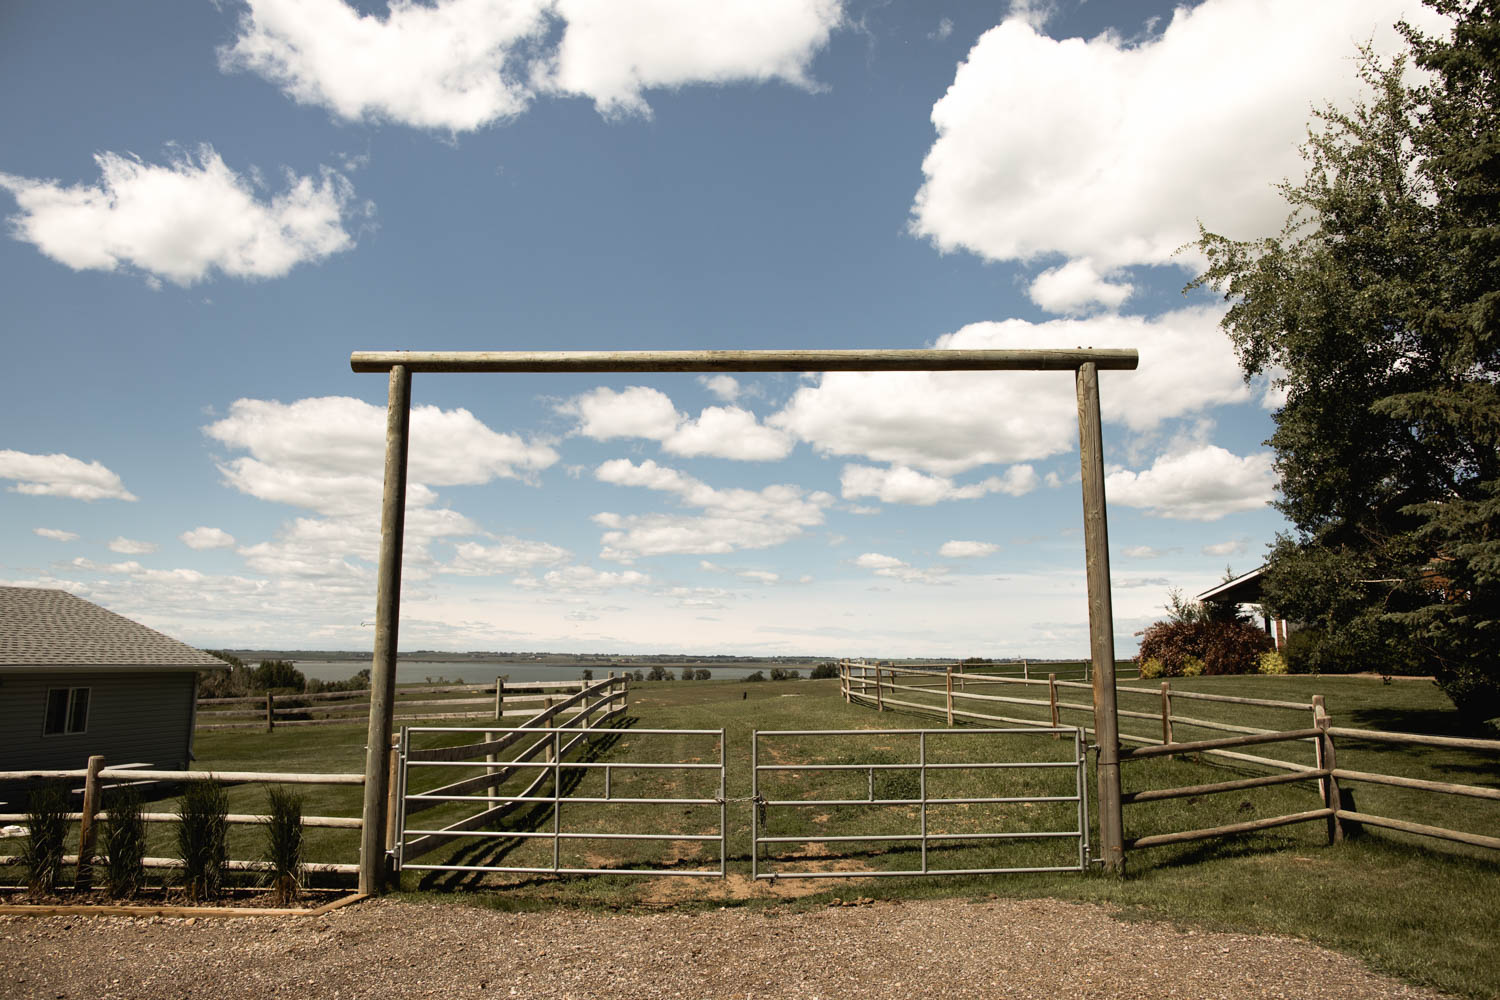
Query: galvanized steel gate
[[1072, 757], [546, 788], [481, 780]]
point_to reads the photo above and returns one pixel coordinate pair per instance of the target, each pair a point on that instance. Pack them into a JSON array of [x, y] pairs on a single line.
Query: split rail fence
[[330, 708], [960, 696], [606, 698]]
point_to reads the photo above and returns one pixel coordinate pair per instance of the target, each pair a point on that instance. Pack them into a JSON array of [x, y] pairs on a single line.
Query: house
[[1245, 589], [77, 680]]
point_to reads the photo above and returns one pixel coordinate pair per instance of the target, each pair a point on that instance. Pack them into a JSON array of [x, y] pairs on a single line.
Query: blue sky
[[210, 205]]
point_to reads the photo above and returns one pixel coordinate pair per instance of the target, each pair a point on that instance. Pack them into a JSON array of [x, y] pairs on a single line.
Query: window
[[67, 711]]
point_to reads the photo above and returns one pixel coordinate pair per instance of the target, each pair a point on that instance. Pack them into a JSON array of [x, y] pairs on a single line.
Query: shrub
[[202, 827], [1152, 669], [1192, 667], [757, 676], [125, 843], [778, 674], [1272, 663], [701, 674], [278, 674], [46, 829], [824, 670], [284, 844], [1220, 647]]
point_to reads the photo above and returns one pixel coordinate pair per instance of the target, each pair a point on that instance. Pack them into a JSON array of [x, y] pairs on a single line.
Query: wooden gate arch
[[1085, 363]]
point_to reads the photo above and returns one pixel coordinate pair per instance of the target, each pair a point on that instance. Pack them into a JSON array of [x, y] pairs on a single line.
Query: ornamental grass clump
[[284, 844], [202, 828], [125, 843], [46, 829]]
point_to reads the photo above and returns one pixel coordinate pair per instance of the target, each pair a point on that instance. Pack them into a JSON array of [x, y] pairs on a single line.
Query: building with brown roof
[[77, 680]]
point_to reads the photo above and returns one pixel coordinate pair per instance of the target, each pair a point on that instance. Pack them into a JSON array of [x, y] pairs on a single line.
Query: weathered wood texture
[[742, 361], [372, 858]]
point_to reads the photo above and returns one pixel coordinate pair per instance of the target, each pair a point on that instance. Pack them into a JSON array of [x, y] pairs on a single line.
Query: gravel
[[945, 948]]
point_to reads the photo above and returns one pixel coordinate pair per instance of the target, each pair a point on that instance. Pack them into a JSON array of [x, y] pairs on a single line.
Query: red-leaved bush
[[1224, 647]]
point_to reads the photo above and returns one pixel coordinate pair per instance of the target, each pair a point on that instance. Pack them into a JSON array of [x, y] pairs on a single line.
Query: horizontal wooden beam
[[1250, 826], [743, 361]]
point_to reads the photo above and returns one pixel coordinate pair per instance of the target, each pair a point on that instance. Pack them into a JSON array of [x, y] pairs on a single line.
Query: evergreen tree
[[1376, 310]]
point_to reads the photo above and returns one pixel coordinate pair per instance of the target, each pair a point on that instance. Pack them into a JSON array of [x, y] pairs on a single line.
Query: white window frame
[[68, 711]]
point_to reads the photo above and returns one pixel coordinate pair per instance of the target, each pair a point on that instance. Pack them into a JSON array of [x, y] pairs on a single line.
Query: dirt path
[[945, 949]]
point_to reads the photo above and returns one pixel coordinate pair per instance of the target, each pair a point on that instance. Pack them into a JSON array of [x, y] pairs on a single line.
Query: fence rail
[[501, 699], [873, 684], [609, 696]]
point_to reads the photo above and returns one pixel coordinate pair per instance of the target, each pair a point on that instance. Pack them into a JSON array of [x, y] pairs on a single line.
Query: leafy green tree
[[1376, 310], [275, 674]]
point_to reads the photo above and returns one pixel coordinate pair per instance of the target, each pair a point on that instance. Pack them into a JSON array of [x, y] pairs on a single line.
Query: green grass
[[1422, 910]]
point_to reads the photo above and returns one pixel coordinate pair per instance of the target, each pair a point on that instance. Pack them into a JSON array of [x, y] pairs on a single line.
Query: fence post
[[1166, 715], [1326, 757], [844, 680], [879, 699], [492, 757], [1025, 670], [948, 684], [270, 711], [86, 825], [393, 797], [960, 675], [1052, 700]]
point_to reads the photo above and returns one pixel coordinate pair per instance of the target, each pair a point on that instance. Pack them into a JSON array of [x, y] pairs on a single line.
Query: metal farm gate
[[521, 799], [912, 790]]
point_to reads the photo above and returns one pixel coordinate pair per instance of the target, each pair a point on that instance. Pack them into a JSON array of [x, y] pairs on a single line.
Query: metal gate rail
[[554, 768], [923, 801]]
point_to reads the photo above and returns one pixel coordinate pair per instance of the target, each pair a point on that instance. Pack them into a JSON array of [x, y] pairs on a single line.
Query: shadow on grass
[[493, 851]]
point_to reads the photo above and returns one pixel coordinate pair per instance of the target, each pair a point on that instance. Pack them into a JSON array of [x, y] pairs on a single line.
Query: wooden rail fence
[[520, 699], [940, 690], [606, 698]]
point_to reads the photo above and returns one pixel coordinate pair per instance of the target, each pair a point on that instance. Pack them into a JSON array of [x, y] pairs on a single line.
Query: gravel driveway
[[941, 949]]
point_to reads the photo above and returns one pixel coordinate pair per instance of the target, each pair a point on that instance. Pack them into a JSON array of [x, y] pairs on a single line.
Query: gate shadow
[[530, 819]]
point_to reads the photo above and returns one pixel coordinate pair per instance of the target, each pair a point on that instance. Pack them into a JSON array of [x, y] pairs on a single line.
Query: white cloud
[[59, 475], [508, 556], [1145, 552], [900, 484], [726, 387], [1203, 483], [1112, 150], [1076, 287], [204, 537], [328, 453], [1230, 548], [898, 569], [759, 576], [130, 546], [719, 431], [612, 51], [957, 549], [947, 422], [942, 31], [583, 579], [732, 519], [183, 220], [455, 65], [459, 65], [56, 534]]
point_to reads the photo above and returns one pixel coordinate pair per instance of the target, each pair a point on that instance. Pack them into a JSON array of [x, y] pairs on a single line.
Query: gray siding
[[134, 717]]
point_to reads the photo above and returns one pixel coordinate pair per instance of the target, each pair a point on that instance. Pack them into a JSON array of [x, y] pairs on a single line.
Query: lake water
[[418, 671]]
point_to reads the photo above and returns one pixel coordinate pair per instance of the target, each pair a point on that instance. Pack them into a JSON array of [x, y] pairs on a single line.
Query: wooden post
[[1326, 757], [1166, 714], [1052, 698], [1025, 670], [270, 711], [960, 675], [1101, 618], [372, 856], [948, 684], [879, 699], [87, 829]]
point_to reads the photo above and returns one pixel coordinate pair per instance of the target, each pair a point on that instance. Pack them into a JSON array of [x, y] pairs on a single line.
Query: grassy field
[[1422, 910]]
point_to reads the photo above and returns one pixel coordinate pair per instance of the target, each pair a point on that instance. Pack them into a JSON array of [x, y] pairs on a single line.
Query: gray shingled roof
[[53, 628]]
